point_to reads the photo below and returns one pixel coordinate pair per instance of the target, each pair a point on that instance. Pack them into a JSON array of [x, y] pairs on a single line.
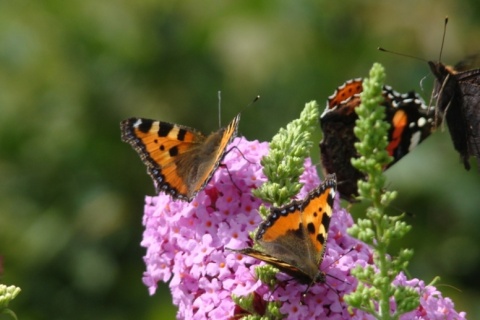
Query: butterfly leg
[[241, 153], [230, 176]]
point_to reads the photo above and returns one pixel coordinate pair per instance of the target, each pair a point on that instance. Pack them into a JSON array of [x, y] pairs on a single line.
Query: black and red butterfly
[[411, 121], [457, 96]]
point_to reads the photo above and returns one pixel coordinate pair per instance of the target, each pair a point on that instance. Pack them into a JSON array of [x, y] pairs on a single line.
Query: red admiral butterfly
[[458, 102], [411, 122]]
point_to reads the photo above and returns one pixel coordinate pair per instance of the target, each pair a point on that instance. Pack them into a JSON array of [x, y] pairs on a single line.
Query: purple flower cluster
[[185, 244], [432, 304]]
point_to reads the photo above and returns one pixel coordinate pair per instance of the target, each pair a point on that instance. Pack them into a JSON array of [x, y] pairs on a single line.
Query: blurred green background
[[71, 193]]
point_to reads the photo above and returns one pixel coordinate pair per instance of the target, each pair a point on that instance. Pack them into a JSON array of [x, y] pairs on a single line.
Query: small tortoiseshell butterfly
[[179, 159], [293, 237], [410, 123], [457, 94]]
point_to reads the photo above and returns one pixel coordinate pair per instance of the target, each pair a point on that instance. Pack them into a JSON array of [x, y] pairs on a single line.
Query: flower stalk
[[284, 163], [375, 291]]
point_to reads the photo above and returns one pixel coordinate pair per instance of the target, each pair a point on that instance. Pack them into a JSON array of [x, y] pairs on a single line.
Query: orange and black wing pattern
[[317, 212], [348, 91], [411, 121], [293, 237], [179, 159]]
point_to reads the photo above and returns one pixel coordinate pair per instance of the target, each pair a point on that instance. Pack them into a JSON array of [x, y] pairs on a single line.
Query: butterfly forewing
[[346, 91], [410, 123], [212, 152], [316, 214], [471, 76], [458, 102], [471, 99]]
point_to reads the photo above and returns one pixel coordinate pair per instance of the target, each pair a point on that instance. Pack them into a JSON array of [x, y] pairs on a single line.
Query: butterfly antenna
[[257, 97], [448, 286], [219, 108], [401, 54], [443, 38]]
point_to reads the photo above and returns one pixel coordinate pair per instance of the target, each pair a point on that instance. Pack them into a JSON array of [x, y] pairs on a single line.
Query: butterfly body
[[410, 123], [293, 237], [458, 102], [180, 160]]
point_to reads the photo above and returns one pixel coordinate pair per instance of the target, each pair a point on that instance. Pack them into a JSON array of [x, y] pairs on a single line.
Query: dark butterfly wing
[[471, 100], [337, 148], [281, 265], [458, 97], [410, 121]]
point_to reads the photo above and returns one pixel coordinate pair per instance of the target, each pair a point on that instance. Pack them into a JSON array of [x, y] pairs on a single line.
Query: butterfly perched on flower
[[293, 237], [410, 121], [180, 160], [457, 95]]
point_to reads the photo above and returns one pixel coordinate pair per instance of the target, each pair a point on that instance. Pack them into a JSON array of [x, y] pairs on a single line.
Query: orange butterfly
[[293, 237], [179, 159]]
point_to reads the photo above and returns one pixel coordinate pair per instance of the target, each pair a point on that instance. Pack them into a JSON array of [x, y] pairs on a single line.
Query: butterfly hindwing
[[179, 159], [279, 264], [349, 90]]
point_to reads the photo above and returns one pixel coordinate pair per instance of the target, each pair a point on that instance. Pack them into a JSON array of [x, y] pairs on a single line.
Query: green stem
[[375, 291]]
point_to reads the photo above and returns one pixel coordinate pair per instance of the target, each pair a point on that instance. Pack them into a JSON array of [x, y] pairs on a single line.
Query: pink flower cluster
[[185, 244]]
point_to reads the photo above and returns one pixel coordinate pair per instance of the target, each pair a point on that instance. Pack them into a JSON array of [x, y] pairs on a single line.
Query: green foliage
[[267, 274], [7, 294], [284, 163], [245, 302], [375, 289]]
